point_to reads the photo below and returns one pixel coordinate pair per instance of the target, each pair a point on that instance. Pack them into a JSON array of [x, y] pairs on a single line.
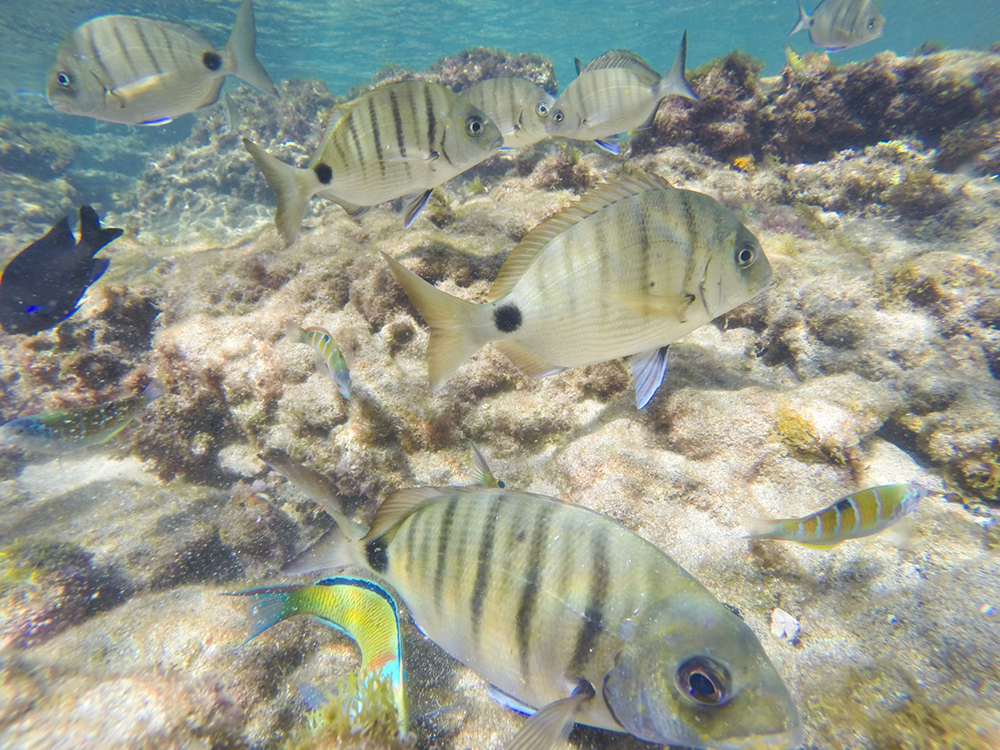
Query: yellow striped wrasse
[[841, 24], [565, 611], [516, 105], [359, 608], [629, 268], [861, 514], [63, 430], [613, 94], [328, 355], [399, 140], [138, 71]]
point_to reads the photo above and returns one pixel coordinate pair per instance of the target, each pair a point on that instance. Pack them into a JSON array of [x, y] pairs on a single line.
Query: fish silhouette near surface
[[137, 71], [42, 285], [628, 269], [841, 24]]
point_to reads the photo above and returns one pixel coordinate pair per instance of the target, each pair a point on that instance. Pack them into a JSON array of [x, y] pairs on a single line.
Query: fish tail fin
[[239, 50], [294, 332], [452, 336], [153, 391], [674, 81], [760, 528], [272, 604], [332, 550], [92, 237], [294, 187], [803, 23]]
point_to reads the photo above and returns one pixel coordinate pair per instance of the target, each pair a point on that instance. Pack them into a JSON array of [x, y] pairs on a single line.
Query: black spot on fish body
[[323, 173], [507, 318], [843, 505], [377, 555], [211, 60]]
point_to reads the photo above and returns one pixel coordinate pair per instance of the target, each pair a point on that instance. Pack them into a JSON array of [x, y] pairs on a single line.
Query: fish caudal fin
[[331, 550], [760, 528], [153, 391], [92, 237], [270, 607], [294, 187], [804, 20], [452, 338], [674, 81], [240, 51]]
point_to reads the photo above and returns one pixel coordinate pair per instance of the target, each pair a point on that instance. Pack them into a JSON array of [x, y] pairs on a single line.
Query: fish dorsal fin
[[529, 248], [579, 65], [400, 505], [621, 58]]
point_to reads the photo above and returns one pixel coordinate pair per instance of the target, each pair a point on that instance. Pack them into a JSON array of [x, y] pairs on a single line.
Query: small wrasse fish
[[516, 105], [401, 139], [841, 24], [627, 269], [328, 354], [359, 608], [861, 514], [64, 430], [613, 94], [566, 612], [137, 71], [42, 285]]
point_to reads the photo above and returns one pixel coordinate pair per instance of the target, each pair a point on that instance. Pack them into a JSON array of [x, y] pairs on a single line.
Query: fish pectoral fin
[[526, 360], [552, 724], [648, 369], [609, 144], [413, 205], [658, 305]]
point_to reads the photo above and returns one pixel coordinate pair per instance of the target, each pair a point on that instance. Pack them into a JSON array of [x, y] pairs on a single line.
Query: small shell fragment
[[784, 625]]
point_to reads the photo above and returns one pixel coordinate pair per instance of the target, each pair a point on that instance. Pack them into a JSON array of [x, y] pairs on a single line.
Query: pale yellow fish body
[[841, 24], [517, 106], [399, 140], [137, 71], [536, 595]]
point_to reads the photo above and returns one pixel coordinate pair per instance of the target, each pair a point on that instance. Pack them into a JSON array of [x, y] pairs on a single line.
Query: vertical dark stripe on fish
[[125, 51], [397, 121], [593, 616], [108, 79], [376, 135], [647, 270], [431, 120], [157, 68], [411, 546], [486, 542], [175, 63], [357, 141], [529, 592], [444, 538], [603, 256]]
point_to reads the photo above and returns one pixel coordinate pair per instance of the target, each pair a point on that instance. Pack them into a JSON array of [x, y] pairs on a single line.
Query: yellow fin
[[528, 249], [526, 360], [294, 187], [652, 304]]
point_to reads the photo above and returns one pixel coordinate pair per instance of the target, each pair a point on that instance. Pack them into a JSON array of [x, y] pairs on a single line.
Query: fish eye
[[542, 109], [704, 680], [745, 255], [63, 79], [475, 127], [557, 115]]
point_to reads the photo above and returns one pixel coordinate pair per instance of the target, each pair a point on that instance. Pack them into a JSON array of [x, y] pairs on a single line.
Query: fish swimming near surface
[[138, 71], [626, 270], [841, 24], [516, 105], [570, 615], [42, 285], [359, 608], [328, 354], [401, 139], [613, 94], [861, 514], [64, 430]]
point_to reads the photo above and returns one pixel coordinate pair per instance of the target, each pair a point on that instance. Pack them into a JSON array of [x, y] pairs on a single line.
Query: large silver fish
[[626, 270], [517, 106], [401, 139], [563, 610], [840, 24], [138, 71], [613, 94]]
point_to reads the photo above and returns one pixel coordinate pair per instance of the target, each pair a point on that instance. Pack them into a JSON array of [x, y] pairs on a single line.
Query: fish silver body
[[628, 269], [399, 140], [841, 24], [859, 515], [546, 599], [613, 94], [138, 71], [519, 108]]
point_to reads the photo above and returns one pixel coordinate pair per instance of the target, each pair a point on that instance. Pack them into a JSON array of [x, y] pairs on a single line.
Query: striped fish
[[357, 607], [401, 139], [626, 270], [517, 106], [566, 612], [613, 94], [137, 71], [861, 514], [328, 354], [841, 24], [64, 430]]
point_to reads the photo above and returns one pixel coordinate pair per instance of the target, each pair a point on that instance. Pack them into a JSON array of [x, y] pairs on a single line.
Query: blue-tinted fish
[[42, 285], [840, 24], [861, 514], [328, 354]]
